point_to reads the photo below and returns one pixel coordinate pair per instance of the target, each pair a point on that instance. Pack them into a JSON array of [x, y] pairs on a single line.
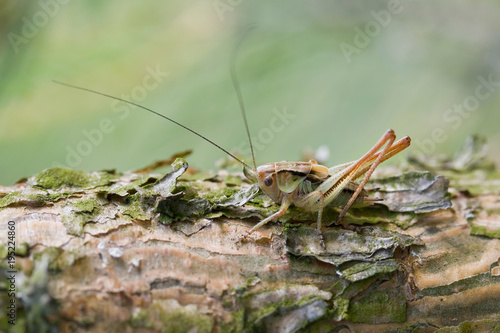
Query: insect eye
[[268, 181]]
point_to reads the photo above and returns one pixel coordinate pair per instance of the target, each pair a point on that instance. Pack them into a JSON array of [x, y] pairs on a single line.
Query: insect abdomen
[[343, 197]]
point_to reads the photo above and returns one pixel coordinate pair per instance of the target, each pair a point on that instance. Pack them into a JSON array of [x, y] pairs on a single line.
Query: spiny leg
[[388, 137], [285, 203], [342, 174], [318, 197], [395, 149], [321, 200], [320, 216]]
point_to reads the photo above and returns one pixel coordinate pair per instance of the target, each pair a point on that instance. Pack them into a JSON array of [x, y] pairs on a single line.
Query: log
[[146, 252]]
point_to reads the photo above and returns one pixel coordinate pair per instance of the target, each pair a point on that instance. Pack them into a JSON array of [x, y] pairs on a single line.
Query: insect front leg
[[285, 203]]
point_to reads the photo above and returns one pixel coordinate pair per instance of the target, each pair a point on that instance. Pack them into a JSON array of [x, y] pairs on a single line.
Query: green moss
[[343, 292], [178, 209], [233, 180], [31, 199], [58, 259], [258, 201], [339, 310], [268, 308], [364, 270], [9, 199], [169, 317], [37, 303], [235, 325], [57, 177], [86, 205], [476, 181], [407, 181], [487, 325], [179, 163], [481, 230], [41, 199], [220, 194], [22, 249], [183, 321], [83, 212], [379, 307], [314, 306], [342, 246], [51, 254], [251, 281], [134, 210], [474, 282], [141, 319], [74, 224], [131, 188]]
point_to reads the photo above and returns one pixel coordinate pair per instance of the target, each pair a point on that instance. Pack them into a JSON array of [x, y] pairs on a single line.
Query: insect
[[312, 186], [307, 185]]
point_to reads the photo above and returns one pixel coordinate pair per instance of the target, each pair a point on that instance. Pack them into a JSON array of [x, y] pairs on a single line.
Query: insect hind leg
[[387, 139]]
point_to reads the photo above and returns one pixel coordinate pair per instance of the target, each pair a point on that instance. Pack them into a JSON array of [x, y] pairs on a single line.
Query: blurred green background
[[345, 71]]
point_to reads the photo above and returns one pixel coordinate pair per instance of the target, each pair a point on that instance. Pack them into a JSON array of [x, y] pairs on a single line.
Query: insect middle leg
[[319, 229]]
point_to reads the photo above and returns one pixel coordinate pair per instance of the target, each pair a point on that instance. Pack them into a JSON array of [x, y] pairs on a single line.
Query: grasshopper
[[312, 186], [307, 185]]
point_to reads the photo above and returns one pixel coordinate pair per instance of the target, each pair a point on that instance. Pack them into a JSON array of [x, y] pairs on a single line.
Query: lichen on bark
[[141, 250]]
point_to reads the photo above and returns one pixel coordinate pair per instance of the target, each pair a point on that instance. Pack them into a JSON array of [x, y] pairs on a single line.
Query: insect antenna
[[156, 113], [236, 85]]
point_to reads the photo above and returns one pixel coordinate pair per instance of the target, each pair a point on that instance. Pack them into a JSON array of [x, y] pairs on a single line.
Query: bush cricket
[[307, 185]]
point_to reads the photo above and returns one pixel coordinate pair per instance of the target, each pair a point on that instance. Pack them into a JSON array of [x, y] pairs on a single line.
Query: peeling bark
[[144, 252]]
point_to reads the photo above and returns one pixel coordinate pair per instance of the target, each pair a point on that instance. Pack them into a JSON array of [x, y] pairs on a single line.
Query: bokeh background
[[343, 72]]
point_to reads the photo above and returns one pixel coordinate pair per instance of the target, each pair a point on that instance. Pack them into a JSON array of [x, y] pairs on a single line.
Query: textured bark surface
[[140, 252]]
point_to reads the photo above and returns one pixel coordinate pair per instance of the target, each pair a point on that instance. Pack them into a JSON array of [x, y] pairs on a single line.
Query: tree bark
[[104, 251]]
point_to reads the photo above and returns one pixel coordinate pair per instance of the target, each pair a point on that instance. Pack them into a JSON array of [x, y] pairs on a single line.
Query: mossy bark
[[140, 252]]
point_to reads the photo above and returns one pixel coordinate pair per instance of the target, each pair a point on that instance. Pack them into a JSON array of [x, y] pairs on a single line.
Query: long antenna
[[156, 113], [237, 87]]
